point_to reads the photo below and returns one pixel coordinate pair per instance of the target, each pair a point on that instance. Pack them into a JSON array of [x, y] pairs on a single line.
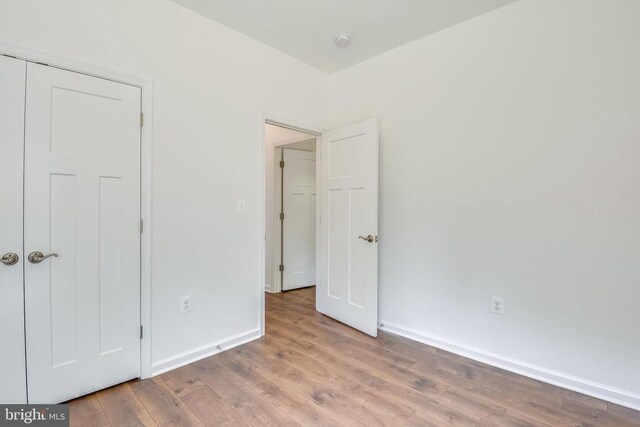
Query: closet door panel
[[82, 209], [12, 355]]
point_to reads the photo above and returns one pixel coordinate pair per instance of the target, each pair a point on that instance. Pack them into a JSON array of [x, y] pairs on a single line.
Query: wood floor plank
[[280, 395], [386, 368], [285, 317], [509, 420], [337, 358], [211, 409], [471, 408], [516, 402], [252, 407], [419, 403], [297, 313], [122, 407], [164, 406], [87, 412], [626, 416], [183, 380], [311, 370], [331, 394], [469, 377]]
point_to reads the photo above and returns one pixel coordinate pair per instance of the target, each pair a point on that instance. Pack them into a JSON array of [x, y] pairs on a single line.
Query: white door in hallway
[[299, 225], [82, 203], [348, 259], [12, 369]]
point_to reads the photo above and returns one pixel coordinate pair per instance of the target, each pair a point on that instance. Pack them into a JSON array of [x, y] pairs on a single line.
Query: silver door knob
[[37, 257], [369, 238], [10, 259]]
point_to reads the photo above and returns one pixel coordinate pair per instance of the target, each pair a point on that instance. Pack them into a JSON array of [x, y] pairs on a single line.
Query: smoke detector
[[343, 39]]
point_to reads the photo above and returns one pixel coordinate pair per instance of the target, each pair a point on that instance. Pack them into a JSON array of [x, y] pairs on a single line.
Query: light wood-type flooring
[[311, 370]]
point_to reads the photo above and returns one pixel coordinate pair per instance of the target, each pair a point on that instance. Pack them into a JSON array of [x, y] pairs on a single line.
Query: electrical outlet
[[185, 303], [497, 305]]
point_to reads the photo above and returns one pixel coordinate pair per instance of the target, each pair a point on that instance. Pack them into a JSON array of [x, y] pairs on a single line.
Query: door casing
[[314, 131], [146, 150]]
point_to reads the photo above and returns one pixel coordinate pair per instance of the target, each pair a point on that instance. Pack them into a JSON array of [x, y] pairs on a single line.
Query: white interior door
[[12, 93], [299, 225], [82, 202], [348, 261]]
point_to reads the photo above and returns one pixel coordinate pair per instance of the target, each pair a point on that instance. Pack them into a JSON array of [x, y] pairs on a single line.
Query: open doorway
[[290, 208], [338, 228]]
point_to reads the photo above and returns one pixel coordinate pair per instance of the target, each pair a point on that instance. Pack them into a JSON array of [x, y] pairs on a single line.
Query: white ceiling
[[306, 29]]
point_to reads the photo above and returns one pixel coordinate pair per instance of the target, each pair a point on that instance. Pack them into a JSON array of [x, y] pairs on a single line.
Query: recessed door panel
[[101, 116], [357, 251], [344, 156], [338, 239], [62, 273], [111, 284], [82, 207]]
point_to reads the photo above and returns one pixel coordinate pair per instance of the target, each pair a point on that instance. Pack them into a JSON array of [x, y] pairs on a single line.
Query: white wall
[[275, 136], [210, 86], [510, 166]]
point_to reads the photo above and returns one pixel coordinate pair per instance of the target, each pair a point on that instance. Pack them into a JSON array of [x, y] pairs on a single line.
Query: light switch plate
[[241, 206]]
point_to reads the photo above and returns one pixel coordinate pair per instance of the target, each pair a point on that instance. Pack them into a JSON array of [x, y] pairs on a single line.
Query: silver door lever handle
[[369, 238], [37, 257], [9, 259]]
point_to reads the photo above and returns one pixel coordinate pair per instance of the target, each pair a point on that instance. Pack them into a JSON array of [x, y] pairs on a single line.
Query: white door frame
[[146, 202], [267, 118]]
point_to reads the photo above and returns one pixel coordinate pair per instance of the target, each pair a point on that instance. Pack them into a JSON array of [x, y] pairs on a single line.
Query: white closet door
[[299, 226], [348, 288], [12, 369], [82, 202]]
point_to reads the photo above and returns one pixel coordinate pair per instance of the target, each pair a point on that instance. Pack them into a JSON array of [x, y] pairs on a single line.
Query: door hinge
[[141, 332], [281, 216], [141, 119], [282, 163], [141, 225], [281, 267]]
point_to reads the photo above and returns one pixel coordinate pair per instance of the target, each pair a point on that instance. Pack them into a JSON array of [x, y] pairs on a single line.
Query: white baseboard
[[580, 385], [181, 359]]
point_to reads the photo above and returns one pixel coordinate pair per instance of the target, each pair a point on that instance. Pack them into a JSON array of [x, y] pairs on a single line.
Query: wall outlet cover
[[185, 303], [497, 305]]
